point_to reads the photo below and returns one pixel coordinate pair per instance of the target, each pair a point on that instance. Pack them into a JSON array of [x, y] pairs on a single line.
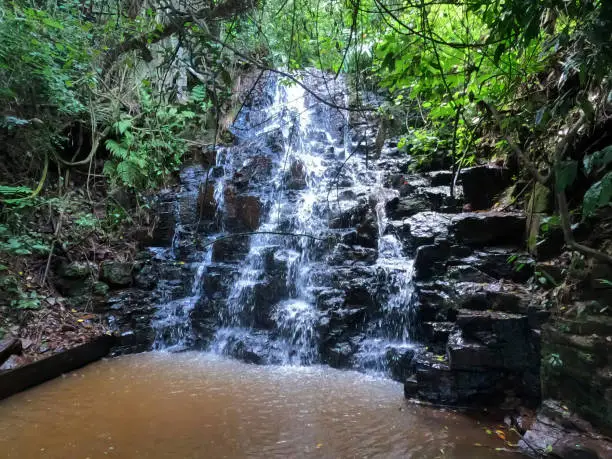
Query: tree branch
[[562, 206], [178, 21]]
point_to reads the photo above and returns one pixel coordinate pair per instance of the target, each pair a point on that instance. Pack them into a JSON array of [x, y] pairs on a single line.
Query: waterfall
[[280, 295]]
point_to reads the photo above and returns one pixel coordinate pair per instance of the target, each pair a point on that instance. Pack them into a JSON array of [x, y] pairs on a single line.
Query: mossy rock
[[117, 273], [78, 270]]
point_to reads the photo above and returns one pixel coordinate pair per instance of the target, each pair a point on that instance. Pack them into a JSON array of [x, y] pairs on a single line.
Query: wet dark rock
[[229, 249], [492, 297], [561, 433], [489, 228], [406, 183], [439, 198], [350, 217], [338, 355], [466, 273], [424, 228], [367, 231], [430, 259], [146, 277], [482, 184], [330, 299], [242, 212], [399, 208], [433, 303], [437, 332], [435, 382], [116, 273], [264, 296], [440, 178], [400, 362], [470, 356], [207, 206], [501, 263], [254, 348], [296, 176], [344, 254], [207, 156], [255, 170], [164, 210]]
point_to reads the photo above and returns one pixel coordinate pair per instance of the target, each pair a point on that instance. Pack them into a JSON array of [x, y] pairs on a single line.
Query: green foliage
[[597, 161], [565, 174], [599, 195], [44, 58], [21, 244], [148, 146], [554, 360], [11, 287]]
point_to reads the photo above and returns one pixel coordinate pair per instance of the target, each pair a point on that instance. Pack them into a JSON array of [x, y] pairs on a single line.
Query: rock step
[[490, 297], [589, 325], [481, 229], [434, 381], [493, 321], [472, 355]]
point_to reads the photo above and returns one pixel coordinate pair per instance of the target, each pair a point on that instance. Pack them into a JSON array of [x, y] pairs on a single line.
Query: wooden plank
[[35, 373], [9, 347]]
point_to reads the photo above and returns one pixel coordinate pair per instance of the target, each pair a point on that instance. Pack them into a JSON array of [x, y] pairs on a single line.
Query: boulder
[[402, 207], [429, 260], [116, 273], [78, 270], [400, 361], [440, 178], [482, 184], [425, 228], [480, 229]]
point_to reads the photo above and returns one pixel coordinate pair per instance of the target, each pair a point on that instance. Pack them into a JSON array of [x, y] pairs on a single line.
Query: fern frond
[[117, 149]]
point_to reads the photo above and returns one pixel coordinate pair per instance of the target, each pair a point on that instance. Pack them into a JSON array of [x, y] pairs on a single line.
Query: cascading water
[[281, 288], [390, 334], [172, 323], [288, 245]]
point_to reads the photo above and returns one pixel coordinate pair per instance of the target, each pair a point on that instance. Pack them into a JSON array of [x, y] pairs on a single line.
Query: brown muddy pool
[[193, 405]]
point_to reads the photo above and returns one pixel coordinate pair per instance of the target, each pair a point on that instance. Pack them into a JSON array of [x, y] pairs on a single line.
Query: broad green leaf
[[565, 174], [599, 195]]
